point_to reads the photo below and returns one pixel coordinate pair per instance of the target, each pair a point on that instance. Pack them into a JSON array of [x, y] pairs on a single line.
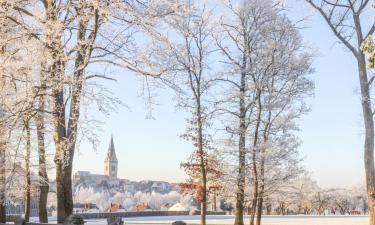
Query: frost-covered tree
[[181, 55], [284, 65], [73, 35], [304, 187], [18, 58], [266, 75], [238, 37]]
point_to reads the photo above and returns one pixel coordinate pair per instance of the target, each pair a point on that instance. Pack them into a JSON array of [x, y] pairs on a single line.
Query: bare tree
[[181, 56], [237, 40], [321, 201], [285, 65], [304, 187], [15, 64], [345, 19], [261, 49], [341, 201]]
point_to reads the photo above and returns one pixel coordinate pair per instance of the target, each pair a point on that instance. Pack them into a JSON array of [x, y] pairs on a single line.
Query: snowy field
[[267, 220]]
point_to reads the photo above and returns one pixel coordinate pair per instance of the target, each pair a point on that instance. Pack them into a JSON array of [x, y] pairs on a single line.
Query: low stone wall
[[28, 223], [143, 214]]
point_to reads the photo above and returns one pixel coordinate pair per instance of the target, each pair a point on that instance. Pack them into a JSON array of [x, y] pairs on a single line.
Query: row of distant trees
[[302, 196], [240, 69], [155, 201]]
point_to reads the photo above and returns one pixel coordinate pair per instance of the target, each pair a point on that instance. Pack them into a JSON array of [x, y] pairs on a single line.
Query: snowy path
[[267, 220]]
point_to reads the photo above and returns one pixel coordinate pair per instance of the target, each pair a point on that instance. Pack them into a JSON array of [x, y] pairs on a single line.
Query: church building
[[109, 179], [110, 169], [110, 161]]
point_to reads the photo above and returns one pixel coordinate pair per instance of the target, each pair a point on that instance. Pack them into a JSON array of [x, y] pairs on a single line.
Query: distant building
[[108, 181], [161, 187], [109, 178], [110, 162]]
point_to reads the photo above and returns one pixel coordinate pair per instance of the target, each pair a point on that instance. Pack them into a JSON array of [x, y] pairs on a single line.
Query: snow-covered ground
[[267, 220]]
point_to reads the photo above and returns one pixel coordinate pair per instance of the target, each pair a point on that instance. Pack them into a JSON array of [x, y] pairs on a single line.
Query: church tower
[[110, 162]]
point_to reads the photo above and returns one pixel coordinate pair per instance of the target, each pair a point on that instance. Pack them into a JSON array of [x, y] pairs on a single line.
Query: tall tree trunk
[[203, 171], [260, 206], [84, 50], [56, 71], [64, 189], [260, 195], [28, 178], [369, 136], [368, 121], [2, 209], [65, 135], [261, 190], [59, 136], [202, 161], [254, 159], [43, 176], [240, 195], [2, 176], [262, 169]]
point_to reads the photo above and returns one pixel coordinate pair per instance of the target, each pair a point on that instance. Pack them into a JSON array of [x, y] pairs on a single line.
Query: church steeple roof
[[111, 154]]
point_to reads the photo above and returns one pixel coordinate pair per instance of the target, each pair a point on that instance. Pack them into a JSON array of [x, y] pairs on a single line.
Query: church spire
[[111, 154], [110, 162]]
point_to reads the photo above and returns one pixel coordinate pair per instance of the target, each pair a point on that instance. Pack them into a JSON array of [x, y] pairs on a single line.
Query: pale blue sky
[[331, 132]]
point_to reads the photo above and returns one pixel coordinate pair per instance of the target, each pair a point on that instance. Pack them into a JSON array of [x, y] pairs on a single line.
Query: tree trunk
[[262, 169], [254, 160], [240, 196], [368, 121], [61, 213], [65, 134], [64, 190], [2, 211], [259, 207], [28, 178], [66, 137], [261, 192], [43, 177], [369, 136], [201, 158], [61, 161], [2, 177], [56, 71]]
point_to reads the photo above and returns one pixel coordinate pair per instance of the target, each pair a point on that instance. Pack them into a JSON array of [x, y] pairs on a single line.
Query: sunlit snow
[[266, 220]]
